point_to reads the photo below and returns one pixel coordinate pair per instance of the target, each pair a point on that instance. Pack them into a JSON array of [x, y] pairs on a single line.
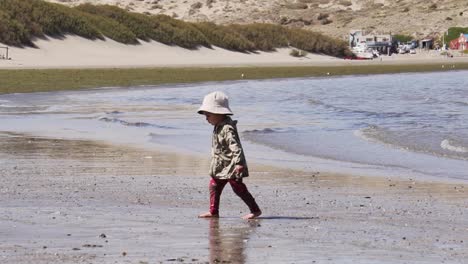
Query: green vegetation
[[433, 6], [402, 38], [297, 53], [265, 37], [23, 20], [67, 79], [346, 3], [112, 29], [296, 6], [159, 28], [453, 33], [311, 42], [225, 37]]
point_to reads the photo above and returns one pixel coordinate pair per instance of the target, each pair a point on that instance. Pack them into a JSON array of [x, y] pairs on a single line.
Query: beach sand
[[70, 201], [77, 52]]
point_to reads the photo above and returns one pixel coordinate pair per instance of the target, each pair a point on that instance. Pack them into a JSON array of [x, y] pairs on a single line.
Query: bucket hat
[[215, 103]]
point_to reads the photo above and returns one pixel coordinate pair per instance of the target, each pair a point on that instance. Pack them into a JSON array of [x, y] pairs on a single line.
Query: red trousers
[[239, 188]]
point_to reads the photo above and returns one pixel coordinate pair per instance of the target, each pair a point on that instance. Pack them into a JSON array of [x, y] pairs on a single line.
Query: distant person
[[228, 163]]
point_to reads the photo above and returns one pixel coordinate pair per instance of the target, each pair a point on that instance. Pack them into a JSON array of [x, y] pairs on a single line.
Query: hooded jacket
[[227, 152]]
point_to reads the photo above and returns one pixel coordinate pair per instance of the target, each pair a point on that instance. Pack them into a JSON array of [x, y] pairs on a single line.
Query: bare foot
[[252, 215], [208, 215]]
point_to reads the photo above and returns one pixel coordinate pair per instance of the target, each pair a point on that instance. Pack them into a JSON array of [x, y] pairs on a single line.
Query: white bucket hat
[[215, 103]]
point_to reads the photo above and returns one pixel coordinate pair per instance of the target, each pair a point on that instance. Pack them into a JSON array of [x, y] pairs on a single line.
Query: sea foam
[[450, 145]]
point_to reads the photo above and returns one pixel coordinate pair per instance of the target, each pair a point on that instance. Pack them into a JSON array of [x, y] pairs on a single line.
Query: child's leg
[[216, 188], [240, 189]]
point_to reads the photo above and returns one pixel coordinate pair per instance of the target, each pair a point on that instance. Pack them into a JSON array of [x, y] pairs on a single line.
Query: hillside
[[418, 18]]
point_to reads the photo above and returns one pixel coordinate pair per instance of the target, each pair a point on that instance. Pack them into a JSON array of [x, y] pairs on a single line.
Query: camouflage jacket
[[227, 152]]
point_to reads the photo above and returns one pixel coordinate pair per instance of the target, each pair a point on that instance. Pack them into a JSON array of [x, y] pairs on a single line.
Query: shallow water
[[397, 124]]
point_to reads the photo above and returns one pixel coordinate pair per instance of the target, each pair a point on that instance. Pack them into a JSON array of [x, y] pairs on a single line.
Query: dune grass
[[20, 81], [22, 21]]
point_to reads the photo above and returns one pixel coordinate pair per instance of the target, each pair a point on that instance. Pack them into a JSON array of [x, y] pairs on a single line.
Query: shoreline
[[42, 80], [110, 115], [79, 200], [447, 62]]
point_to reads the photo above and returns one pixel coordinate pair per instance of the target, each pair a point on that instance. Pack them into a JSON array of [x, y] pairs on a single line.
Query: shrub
[[139, 24], [57, 20], [322, 16], [196, 5], [317, 43], [402, 38], [35, 18], [182, 34], [297, 6], [13, 32], [209, 3], [156, 7], [112, 29], [298, 53], [22, 20], [326, 21], [160, 28], [453, 33], [224, 37], [265, 37], [346, 3]]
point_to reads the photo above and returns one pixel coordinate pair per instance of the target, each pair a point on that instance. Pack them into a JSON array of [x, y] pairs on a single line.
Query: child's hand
[[239, 169]]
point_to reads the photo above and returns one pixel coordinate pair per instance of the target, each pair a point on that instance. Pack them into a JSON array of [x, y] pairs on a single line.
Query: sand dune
[[73, 51]]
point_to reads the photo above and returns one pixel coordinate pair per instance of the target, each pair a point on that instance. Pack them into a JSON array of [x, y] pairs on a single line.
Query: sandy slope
[[75, 51]]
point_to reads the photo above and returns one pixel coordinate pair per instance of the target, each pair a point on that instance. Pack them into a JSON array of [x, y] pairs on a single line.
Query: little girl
[[228, 164]]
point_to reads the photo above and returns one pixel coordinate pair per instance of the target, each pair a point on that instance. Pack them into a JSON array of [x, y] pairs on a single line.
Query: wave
[[460, 103], [261, 131], [316, 102], [341, 109], [452, 146], [132, 124], [6, 106], [116, 112], [416, 141], [12, 106]]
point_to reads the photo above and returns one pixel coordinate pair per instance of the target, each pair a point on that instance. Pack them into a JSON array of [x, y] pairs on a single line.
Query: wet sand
[[69, 201]]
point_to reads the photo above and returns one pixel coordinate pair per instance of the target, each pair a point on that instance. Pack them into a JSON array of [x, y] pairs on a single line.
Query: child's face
[[214, 119]]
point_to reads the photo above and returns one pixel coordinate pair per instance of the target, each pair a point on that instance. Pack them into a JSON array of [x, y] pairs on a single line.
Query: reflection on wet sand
[[228, 242]]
